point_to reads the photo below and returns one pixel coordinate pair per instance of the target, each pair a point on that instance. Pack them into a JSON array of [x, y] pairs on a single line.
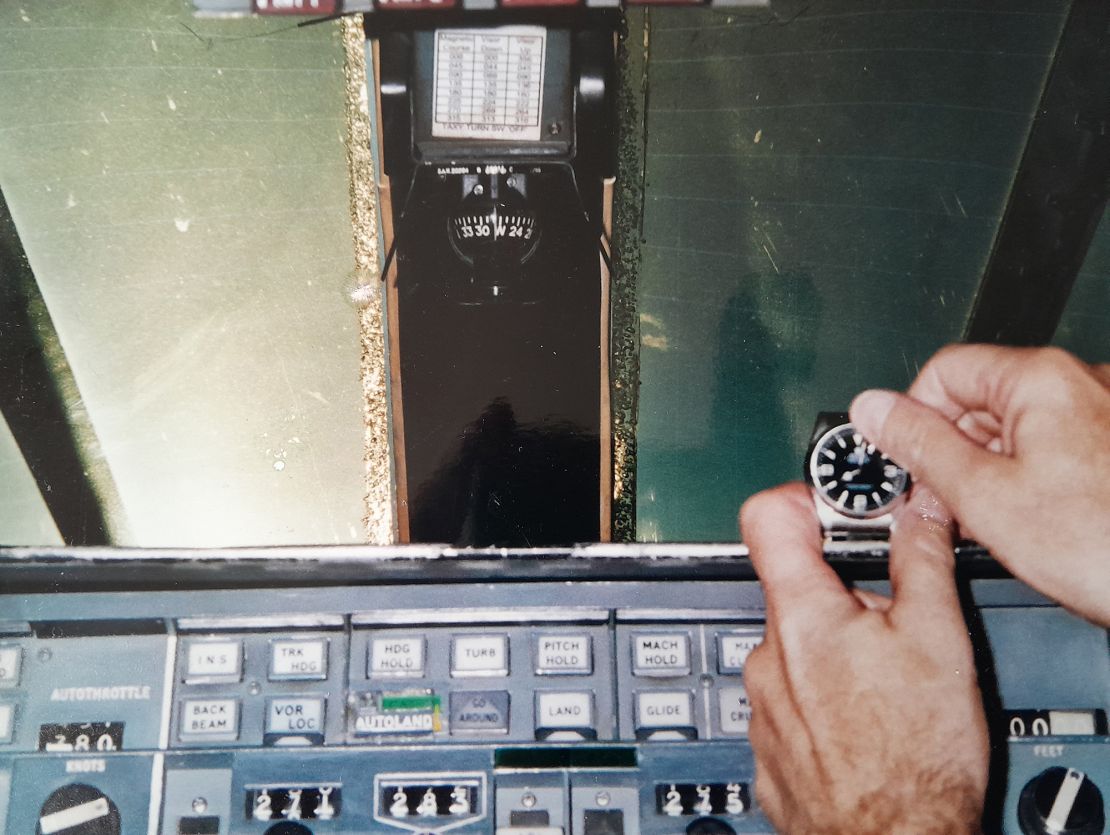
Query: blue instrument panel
[[610, 702]]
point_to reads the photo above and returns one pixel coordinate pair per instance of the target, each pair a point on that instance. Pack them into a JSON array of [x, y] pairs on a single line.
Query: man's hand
[[866, 713], [1017, 443]]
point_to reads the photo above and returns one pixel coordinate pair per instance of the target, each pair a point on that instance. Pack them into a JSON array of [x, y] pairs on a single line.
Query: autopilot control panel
[[607, 698]]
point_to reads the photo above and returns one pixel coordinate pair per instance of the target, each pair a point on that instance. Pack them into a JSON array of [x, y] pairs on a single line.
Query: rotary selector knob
[[78, 809], [709, 826], [1061, 801]]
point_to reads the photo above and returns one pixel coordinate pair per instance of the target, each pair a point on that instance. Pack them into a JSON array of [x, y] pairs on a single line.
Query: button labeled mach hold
[[661, 654]]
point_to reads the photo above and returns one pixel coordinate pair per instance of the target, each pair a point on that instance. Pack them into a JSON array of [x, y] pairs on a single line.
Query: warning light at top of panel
[[407, 5], [320, 7]]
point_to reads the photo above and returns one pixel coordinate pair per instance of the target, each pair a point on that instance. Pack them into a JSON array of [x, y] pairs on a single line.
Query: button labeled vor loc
[[300, 716]]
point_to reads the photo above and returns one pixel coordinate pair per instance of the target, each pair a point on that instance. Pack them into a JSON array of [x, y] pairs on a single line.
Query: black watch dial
[[852, 476]]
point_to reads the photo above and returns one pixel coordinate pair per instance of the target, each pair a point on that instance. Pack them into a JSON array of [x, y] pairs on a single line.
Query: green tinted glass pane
[[822, 192], [1085, 327], [180, 188]]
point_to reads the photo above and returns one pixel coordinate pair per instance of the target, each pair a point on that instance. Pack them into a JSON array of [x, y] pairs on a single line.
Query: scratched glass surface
[[180, 189], [822, 230], [1085, 326]]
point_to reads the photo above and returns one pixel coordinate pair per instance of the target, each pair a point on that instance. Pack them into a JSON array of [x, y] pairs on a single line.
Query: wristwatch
[[855, 486]]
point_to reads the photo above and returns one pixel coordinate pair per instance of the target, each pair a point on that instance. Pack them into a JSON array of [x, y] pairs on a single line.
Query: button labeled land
[[665, 714], [202, 718], [397, 657], [563, 655], [736, 712], [733, 649], [480, 711], [11, 659], [661, 654], [480, 655], [565, 713], [299, 659], [214, 661], [295, 715], [7, 722]]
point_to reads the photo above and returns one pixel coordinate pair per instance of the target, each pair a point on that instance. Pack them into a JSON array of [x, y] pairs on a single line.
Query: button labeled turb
[[480, 655]]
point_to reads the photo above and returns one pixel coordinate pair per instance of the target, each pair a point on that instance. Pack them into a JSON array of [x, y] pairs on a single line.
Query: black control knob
[[1061, 801], [288, 828], [78, 809], [709, 826]]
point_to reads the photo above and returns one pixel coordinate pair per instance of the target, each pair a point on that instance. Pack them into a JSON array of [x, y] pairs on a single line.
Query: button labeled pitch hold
[[563, 655]]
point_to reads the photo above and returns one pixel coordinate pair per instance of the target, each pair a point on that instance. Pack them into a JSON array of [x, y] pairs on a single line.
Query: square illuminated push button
[[736, 712], [299, 659], [11, 659], [661, 654], [564, 655], [213, 661], [396, 657], [298, 716], [733, 649], [480, 655], [565, 715], [665, 714], [7, 722], [210, 719]]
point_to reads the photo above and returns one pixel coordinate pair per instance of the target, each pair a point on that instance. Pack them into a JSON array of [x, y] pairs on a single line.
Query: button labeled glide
[[665, 714]]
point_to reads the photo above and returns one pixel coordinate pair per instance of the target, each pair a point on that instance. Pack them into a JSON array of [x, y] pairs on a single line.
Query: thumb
[[961, 472]]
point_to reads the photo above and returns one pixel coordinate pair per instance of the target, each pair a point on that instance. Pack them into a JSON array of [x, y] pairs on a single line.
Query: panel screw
[[200, 805], [45, 655], [528, 800], [555, 128], [254, 688], [602, 799]]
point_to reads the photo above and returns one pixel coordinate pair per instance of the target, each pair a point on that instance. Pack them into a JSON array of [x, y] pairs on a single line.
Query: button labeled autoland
[[661, 654], [209, 718], [299, 659], [11, 660], [558, 654], [396, 657], [213, 661], [480, 655]]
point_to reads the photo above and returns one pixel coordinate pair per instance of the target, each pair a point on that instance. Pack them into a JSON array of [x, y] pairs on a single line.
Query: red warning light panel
[[321, 7], [518, 4], [412, 5]]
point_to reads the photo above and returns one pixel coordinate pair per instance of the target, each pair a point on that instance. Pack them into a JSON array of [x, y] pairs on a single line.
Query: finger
[[981, 427], [922, 560], [935, 452], [872, 600], [968, 378], [1102, 373], [784, 540]]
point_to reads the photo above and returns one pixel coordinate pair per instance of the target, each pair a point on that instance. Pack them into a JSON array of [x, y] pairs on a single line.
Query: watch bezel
[[818, 490]]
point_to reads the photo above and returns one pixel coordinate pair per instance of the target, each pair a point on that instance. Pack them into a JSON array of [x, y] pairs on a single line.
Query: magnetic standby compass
[[855, 484], [494, 231]]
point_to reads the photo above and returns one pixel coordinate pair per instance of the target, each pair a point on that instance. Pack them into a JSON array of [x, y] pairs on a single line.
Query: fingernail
[[869, 410]]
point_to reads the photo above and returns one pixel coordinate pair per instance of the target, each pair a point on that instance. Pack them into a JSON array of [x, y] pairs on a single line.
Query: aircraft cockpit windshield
[[809, 199]]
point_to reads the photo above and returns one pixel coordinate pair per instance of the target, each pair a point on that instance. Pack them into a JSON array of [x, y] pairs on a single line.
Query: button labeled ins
[[11, 659], [565, 715], [733, 649], [665, 714], [299, 659], [736, 712], [396, 657], [563, 655], [209, 718], [213, 661], [661, 654], [480, 655]]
